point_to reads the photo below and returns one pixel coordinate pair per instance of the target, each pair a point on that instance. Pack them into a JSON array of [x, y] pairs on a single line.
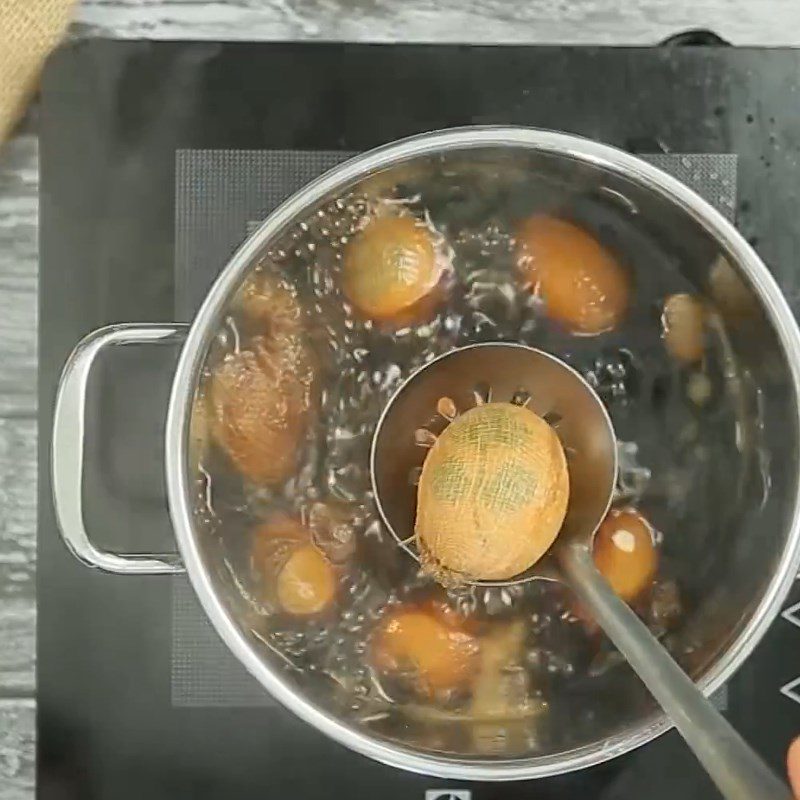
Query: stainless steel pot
[[756, 558]]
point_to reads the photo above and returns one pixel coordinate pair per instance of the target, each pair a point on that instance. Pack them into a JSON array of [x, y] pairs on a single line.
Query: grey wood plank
[[19, 218], [756, 22], [17, 648], [18, 438], [17, 555], [17, 749], [18, 303]]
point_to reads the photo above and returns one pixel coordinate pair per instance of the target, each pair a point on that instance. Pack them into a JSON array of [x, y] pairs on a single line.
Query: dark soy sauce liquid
[[670, 448]]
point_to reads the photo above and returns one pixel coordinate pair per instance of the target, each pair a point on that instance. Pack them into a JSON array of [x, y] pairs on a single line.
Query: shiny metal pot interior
[[746, 551]]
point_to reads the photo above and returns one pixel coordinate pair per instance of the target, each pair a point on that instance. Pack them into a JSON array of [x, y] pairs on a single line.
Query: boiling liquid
[[669, 444]]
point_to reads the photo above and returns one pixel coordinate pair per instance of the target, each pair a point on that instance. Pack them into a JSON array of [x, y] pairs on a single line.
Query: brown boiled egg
[[307, 582], [732, 297], [294, 573], [581, 283], [392, 270], [683, 323], [625, 553], [433, 647], [492, 494]]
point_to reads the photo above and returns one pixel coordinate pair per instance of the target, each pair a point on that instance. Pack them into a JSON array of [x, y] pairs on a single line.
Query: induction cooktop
[[115, 117]]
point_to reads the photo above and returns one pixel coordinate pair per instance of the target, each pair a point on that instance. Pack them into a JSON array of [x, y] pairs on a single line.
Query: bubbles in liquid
[[359, 364]]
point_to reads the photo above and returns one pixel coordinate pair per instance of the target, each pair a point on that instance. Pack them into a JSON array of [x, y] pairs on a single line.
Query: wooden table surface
[[756, 22]]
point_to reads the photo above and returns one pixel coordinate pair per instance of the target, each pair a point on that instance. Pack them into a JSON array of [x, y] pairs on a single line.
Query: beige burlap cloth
[[29, 30]]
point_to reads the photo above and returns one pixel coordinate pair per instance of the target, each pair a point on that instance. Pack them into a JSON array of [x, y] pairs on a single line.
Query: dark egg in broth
[[431, 647], [624, 551], [582, 284], [294, 573]]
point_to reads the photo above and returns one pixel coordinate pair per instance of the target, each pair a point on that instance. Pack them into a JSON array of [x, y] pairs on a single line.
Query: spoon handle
[[736, 769]]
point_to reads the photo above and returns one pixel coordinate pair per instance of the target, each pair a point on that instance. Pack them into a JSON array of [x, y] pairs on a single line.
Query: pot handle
[[69, 423]]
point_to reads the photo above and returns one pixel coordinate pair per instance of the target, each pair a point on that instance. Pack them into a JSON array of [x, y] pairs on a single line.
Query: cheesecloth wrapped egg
[[260, 398], [492, 495], [393, 270]]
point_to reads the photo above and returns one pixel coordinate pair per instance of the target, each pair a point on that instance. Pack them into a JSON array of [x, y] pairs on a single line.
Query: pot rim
[[201, 332]]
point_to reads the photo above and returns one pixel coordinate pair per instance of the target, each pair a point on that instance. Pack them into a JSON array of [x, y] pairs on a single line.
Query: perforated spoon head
[[497, 371]]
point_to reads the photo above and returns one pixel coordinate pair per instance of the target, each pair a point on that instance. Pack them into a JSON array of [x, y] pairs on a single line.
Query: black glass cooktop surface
[[115, 116]]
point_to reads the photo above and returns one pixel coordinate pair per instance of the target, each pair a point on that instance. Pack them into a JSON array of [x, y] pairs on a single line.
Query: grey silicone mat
[[219, 194]]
